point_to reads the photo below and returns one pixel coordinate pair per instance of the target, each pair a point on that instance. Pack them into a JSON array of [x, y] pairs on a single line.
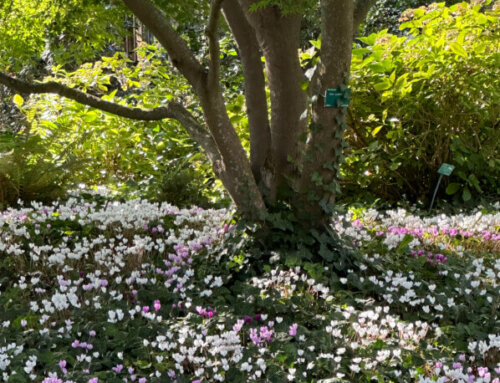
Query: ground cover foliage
[[94, 290]]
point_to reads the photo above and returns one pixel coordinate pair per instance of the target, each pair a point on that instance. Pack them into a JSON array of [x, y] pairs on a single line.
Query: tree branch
[[182, 57], [200, 135], [213, 42], [361, 8], [86, 99], [173, 111], [255, 86]]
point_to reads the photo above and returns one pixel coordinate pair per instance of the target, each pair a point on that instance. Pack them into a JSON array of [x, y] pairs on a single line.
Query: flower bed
[[141, 292]]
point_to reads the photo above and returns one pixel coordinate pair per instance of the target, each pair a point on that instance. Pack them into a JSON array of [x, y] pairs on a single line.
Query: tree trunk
[[255, 89], [325, 144], [279, 39], [237, 174]]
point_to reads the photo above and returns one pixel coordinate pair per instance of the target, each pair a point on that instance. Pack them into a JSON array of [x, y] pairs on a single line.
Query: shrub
[[29, 172], [425, 99], [386, 14], [153, 160]]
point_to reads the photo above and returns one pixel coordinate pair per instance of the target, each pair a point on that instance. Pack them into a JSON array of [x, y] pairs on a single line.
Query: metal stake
[[435, 191]]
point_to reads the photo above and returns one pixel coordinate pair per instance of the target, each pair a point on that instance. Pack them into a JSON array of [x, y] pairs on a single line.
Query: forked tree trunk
[[279, 38]]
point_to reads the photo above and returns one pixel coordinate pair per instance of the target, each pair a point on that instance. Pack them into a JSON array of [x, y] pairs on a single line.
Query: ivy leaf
[[466, 196]]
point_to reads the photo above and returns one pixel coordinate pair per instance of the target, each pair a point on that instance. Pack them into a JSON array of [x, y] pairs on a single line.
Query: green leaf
[[90, 117], [316, 43], [452, 188], [466, 196], [18, 100], [458, 49], [402, 247], [383, 85]]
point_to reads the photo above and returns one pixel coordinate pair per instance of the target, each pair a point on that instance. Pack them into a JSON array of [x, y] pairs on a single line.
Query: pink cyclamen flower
[[142, 380], [293, 329], [145, 309], [93, 380], [118, 368], [157, 305], [62, 365], [255, 337], [92, 333]]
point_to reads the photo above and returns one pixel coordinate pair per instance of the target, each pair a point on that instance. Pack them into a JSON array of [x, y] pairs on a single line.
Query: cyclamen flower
[[266, 333], [93, 380], [239, 324], [255, 337], [205, 313], [293, 329], [157, 305], [118, 368], [62, 365]]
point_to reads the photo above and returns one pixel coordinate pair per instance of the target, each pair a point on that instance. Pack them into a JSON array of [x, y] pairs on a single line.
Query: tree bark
[[325, 144], [255, 90], [361, 8], [279, 39]]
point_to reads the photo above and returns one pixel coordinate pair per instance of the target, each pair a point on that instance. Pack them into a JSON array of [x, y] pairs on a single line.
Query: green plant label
[[446, 169], [337, 98]]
